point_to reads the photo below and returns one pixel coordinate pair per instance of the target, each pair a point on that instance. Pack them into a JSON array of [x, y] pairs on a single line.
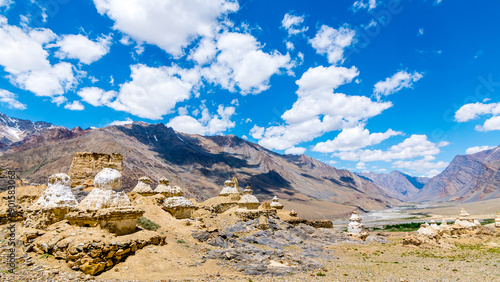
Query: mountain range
[[201, 164]]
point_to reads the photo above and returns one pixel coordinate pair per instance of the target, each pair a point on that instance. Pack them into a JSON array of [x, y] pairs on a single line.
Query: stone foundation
[[120, 220]]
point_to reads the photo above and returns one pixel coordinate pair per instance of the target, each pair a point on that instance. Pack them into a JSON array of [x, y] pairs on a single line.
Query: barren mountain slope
[[200, 165]]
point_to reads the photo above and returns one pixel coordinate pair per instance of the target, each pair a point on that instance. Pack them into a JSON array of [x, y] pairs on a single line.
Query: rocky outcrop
[[91, 256], [85, 167]]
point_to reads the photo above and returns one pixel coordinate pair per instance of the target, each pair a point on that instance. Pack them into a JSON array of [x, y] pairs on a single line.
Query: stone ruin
[[355, 227], [176, 204], [54, 203], [143, 187], [107, 206], [85, 166], [275, 204]]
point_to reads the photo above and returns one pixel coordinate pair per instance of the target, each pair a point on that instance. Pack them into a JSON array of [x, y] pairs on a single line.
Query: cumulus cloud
[[257, 132], [332, 42], [354, 138], [23, 56], [9, 99], [424, 166], [420, 32], [295, 151], [154, 92], [241, 65], [393, 84], [169, 24], [96, 96], [122, 122], [81, 48], [74, 106], [412, 147], [474, 110], [293, 24], [476, 149], [319, 110], [207, 124], [5, 3]]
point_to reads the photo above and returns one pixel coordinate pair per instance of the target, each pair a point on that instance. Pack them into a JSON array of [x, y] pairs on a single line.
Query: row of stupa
[[464, 220], [247, 200]]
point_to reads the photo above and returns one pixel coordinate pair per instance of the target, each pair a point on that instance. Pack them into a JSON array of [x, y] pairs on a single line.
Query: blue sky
[[362, 85]]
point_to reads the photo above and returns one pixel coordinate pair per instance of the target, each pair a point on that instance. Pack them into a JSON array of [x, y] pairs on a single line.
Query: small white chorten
[[275, 204], [355, 226]]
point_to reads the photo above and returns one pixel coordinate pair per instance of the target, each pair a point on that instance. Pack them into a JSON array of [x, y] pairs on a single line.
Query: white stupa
[[248, 201], [143, 186], [108, 191], [275, 204], [231, 187], [57, 195], [355, 226]]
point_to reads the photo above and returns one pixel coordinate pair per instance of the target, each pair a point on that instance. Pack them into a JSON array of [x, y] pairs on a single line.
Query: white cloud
[[122, 122], [207, 124], [289, 46], [319, 110], [240, 63], [361, 4], [476, 149], [332, 42], [490, 124], [171, 25], [154, 92], [10, 100], [354, 138], [5, 3], [75, 106], [293, 24], [51, 81], [257, 132], [437, 2], [420, 32], [81, 48], [96, 96], [412, 147], [423, 166], [474, 110], [295, 151], [398, 81], [23, 56], [361, 165]]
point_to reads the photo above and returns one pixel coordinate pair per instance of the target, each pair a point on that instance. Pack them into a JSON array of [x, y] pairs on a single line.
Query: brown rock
[[86, 165]]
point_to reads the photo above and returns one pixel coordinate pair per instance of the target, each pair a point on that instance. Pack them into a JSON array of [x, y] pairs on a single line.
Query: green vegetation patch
[[402, 227], [147, 224]]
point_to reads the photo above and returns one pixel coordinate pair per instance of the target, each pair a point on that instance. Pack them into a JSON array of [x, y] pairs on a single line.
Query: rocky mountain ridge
[[397, 184], [14, 130], [468, 178], [201, 164]]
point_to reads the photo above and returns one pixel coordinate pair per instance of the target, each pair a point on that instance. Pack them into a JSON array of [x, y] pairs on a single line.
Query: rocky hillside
[[200, 165], [397, 184], [468, 178], [14, 130]]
